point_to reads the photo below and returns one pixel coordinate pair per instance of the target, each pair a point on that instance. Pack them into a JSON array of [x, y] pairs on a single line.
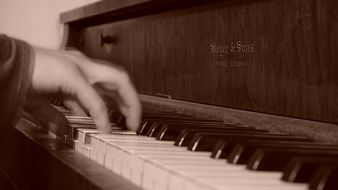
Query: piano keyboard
[[179, 152]]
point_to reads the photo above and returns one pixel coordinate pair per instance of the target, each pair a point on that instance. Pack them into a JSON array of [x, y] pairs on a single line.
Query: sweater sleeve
[[16, 66]]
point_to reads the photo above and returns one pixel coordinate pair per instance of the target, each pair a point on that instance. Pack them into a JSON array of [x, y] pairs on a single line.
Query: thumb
[[47, 115]]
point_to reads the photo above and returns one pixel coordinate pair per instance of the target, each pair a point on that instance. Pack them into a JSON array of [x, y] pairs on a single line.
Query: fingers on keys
[[74, 106], [129, 104], [119, 86], [79, 87]]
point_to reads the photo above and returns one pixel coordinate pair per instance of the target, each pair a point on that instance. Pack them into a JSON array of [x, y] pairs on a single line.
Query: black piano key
[[271, 159], [116, 117], [147, 123], [301, 169], [153, 129], [242, 152], [120, 120], [148, 119], [225, 145], [115, 114], [207, 141], [186, 135], [170, 132], [325, 178]]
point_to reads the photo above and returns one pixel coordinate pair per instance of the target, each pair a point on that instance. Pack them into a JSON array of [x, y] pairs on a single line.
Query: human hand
[[73, 74]]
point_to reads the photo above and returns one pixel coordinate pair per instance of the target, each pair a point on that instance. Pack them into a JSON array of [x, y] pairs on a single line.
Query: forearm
[[16, 65]]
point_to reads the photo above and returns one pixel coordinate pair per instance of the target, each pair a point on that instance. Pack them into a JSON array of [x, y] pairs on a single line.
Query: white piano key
[[137, 170], [101, 147], [126, 165], [161, 175], [83, 135], [93, 143], [69, 117], [118, 161], [155, 176], [154, 164], [100, 156], [240, 180], [100, 142], [131, 167], [109, 156], [75, 144], [148, 176], [175, 182], [263, 187], [85, 150], [233, 173], [200, 168], [98, 146], [194, 185], [159, 182], [243, 181]]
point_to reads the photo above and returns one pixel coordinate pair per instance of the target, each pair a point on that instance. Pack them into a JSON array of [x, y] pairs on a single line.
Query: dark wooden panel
[[5, 181], [276, 56]]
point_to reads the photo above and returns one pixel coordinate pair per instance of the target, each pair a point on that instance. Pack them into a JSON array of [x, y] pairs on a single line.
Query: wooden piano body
[[268, 64]]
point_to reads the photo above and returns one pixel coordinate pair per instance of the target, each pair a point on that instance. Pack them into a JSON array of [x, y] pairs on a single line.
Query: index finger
[[127, 97], [113, 78], [130, 102], [88, 97]]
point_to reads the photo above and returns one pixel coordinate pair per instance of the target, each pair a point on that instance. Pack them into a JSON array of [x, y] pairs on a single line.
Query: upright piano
[[237, 95]]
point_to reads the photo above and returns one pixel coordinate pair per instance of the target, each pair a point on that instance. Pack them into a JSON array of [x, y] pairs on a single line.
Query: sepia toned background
[[36, 21]]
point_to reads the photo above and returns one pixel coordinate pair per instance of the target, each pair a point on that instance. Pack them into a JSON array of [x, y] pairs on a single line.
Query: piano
[[237, 95]]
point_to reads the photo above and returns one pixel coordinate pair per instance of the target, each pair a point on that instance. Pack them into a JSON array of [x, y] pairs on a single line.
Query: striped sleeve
[[16, 66]]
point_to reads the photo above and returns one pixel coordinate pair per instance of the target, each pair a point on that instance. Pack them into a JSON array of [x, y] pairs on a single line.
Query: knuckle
[[71, 69]]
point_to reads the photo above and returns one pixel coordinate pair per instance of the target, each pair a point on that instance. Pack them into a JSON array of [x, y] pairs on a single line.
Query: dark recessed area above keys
[[302, 168], [243, 151], [172, 131], [186, 135], [205, 141], [325, 178], [225, 145], [276, 159], [147, 123]]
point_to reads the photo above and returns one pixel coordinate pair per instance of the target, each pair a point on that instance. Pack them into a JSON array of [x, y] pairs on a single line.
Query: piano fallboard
[[268, 56]]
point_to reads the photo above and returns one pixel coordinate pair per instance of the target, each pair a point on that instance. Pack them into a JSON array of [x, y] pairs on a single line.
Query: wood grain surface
[[271, 56]]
